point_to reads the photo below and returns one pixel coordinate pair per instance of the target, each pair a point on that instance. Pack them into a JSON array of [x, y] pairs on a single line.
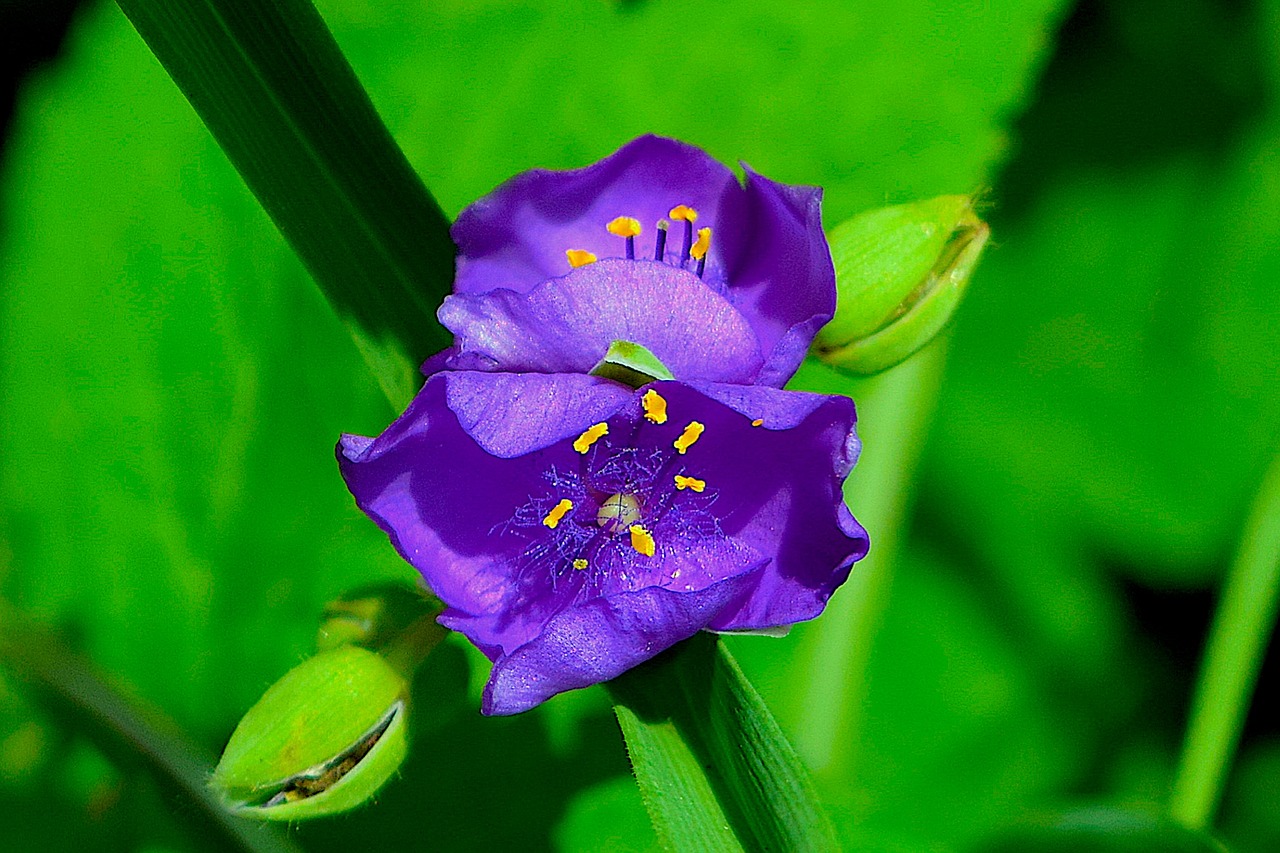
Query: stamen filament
[[628, 227], [687, 215], [660, 247]]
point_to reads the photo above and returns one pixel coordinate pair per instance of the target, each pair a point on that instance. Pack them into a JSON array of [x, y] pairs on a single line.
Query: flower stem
[[895, 409], [1237, 641], [69, 680]]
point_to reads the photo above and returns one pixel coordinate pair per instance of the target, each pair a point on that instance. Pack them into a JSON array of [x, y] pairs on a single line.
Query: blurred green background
[[171, 385]]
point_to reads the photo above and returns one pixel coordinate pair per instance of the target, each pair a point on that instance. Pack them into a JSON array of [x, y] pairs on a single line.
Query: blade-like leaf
[[715, 770], [269, 81]]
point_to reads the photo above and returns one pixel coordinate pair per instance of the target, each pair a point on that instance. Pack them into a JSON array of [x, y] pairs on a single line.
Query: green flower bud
[[321, 740], [900, 274]]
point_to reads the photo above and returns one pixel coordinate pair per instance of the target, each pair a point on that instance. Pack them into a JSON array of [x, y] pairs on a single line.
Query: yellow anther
[[557, 513], [593, 434], [642, 540], [691, 434], [700, 246], [579, 258], [624, 226], [579, 564], [682, 213], [693, 483], [655, 407], [758, 422]]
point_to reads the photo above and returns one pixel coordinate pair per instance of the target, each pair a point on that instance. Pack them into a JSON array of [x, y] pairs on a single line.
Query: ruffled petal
[[778, 490], [511, 414], [516, 237], [602, 638], [566, 324], [447, 503], [780, 270]]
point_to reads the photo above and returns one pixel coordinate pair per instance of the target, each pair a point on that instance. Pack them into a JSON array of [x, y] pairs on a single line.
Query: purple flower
[[656, 244], [575, 528]]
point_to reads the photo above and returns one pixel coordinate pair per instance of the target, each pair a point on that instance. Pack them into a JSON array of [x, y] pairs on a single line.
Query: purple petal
[[566, 324], [511, 414], [516, 236], [602, 638], [778, 490], [780, 271], [447, 504]]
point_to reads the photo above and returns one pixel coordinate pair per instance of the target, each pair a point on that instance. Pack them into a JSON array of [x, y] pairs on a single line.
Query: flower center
[[618, 512], [634, 499], [628, 228]]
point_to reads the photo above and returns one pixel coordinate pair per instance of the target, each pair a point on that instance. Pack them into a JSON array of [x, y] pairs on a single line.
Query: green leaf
[[271, 84], [1233, 656], [178, 383], [715, 770], [819, 93], [1101, 830]]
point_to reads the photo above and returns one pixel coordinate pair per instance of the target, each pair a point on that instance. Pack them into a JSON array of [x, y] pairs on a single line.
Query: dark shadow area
[[485, 783], [31, 33], [1133, 82]]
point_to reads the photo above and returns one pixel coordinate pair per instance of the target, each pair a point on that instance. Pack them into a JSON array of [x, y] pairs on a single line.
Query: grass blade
[[272, 86], [715, 770]]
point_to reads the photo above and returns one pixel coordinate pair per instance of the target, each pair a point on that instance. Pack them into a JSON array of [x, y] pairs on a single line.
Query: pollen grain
[[589, 437], [690, 435], [655, 407], [579, 258], [642, 540], [624, 226], [691, 483], [558, 512]]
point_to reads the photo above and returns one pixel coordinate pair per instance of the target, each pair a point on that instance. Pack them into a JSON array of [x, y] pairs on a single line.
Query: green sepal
[[322, 740], [631, 365], [900, 275]]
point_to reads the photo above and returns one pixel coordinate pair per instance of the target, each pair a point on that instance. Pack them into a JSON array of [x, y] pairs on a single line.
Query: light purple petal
[[511, 414], [601, 639], [566, 324]]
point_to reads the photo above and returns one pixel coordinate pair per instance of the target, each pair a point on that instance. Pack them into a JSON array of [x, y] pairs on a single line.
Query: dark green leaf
[[269, 81], [1100, 830]]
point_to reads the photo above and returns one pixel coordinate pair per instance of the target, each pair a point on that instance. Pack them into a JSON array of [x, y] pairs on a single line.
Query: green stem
[[1237, 641], [71, 681], [895, 410]]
